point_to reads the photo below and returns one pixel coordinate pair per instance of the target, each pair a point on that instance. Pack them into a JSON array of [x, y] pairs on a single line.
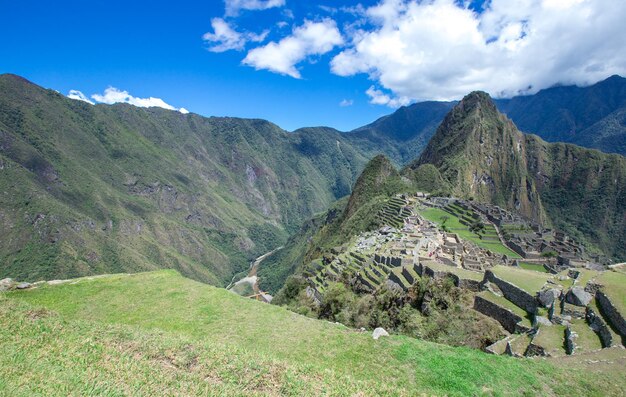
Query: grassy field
[[161, 334], [533, 266], [528, 280], [552, 339], [615, 287], [455, 226], [507, 304]]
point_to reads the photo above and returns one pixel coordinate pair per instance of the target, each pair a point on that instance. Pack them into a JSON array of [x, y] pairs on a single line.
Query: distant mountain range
[[90, 189], [593, 116]]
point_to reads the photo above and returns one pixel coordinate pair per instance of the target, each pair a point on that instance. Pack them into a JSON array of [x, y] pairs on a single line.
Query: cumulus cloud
[[442, 49], [113, 95], [346, 102], [234, 6], [224, 37], [378, 97], [312, 38], [79, 96]]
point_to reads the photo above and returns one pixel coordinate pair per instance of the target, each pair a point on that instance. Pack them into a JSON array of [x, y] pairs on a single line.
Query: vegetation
[[96, 189], [159, 333], [576, 190]]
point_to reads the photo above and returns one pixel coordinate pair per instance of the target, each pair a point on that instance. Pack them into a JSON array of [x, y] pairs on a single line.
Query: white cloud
[[378, 97], [113, 95], [312, 38], [234, 6], [225, 38], [438, 49], [79, 96], [346, 102]]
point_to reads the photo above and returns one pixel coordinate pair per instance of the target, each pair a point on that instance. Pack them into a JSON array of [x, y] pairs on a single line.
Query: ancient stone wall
[[611, 314], [505, 317], [598, 326], [513, 293]]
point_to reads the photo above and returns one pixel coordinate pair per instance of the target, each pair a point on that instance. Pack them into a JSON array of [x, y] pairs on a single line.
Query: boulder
[[541, 320], [6, 284], [23, 285], [578, 296], [378, 332], [547, 296]]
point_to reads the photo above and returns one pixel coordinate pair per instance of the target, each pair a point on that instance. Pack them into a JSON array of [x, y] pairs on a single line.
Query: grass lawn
[[552, 339], [454, 225], [615, 288], [507, 304], [532, 266], [529, 280], [161, 334], [587, 339]]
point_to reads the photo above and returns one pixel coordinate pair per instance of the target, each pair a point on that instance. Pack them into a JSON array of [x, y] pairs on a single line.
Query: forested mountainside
[[99, 189], [593, 117]]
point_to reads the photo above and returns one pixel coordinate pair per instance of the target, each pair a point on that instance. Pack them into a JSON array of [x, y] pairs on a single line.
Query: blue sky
[[296, 62]]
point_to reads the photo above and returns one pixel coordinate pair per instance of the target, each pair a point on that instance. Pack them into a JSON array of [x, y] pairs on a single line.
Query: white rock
[[378, 332]]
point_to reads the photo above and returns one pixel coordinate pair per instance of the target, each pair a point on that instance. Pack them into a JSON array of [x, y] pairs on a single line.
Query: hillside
[[573, 114], [483, 156], [402, 135], [159, 333], [95, 189]]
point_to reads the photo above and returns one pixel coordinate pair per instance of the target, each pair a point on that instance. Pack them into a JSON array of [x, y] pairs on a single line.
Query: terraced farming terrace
[[556, 304]]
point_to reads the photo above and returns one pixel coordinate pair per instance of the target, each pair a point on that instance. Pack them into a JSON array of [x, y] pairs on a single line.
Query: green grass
[[161, 334], [552, 339], [455, 226], [587, 339], [532, 266], [507, 304], [614, 285], [528, 280]]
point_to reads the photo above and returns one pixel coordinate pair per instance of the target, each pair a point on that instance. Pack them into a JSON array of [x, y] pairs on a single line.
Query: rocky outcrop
[[570, 340], [6, 284], [578, 296], [508, 319], [547, 297], [611, 313], [379, 332], [513, 293]]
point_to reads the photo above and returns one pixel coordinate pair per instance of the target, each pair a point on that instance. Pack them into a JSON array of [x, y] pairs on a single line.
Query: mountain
[[96, 189], [593, 116], [483, 156], [568, 113], [402, 135]]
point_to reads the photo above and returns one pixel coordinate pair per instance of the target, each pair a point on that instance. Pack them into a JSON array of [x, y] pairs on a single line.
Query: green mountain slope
[[159, 333], [402, 135], [566, 114], [93, 189], [590, 116], [482, 155]]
